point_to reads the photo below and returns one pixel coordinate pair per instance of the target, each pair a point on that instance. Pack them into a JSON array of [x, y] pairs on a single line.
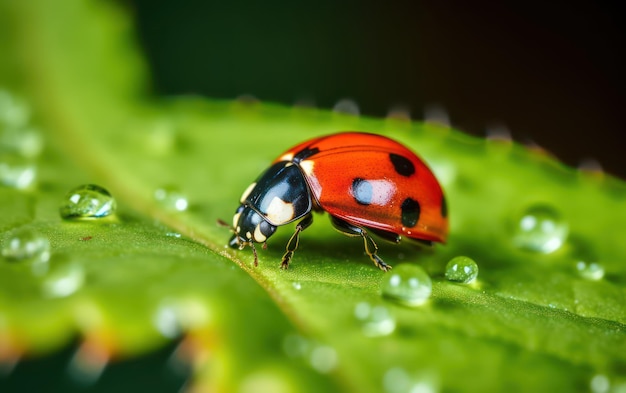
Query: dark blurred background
[[550, 71]]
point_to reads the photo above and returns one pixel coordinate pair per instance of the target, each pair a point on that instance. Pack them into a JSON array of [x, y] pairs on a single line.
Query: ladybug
[[367, 183]]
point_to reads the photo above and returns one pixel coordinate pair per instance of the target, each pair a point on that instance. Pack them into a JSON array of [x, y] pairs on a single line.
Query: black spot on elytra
[[444, 207], [410, 212], [362, 191], [402, 165], [305, 153]]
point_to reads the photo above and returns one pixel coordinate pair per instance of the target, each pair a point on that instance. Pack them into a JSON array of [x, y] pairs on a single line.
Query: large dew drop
[[407, 284], [540, 228], [87, 201], [462, 269]]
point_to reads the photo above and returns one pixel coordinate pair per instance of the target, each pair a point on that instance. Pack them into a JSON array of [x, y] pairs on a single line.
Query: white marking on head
[[259, 237], [238, 229], [236, 220], [248, 235], [247, 192], [279, 211], [286, 157], [307, 167]]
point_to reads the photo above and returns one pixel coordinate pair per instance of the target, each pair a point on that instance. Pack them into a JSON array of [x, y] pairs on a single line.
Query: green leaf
[[129, 283]]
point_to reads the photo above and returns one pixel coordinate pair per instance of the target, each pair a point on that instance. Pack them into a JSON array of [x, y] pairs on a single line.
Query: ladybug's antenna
[[240, 243], [224, 224]]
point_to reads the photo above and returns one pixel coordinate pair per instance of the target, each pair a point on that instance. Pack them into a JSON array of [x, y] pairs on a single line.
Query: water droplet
[[590, 166], [399, 112], [171, 198], [87, 201], [167, 321], [437, 114], [174, 316], [590, 270], [398, 380], [17, 172], [323, 359], [407, 284], [25, 244], [462, 269], [600, 384], [499, 133], [541, 229], [375, 320], [63, 279], [536, 149], [347, 106], [296, 285]]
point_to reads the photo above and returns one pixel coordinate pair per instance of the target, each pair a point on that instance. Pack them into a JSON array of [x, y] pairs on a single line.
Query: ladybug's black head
[[249, 226]]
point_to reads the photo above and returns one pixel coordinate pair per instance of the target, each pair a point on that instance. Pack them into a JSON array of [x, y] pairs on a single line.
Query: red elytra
[[355, 155], [365, 182]]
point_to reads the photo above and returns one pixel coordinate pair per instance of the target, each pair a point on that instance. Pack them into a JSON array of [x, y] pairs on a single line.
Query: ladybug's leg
[[292, 245], [370, 245]]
